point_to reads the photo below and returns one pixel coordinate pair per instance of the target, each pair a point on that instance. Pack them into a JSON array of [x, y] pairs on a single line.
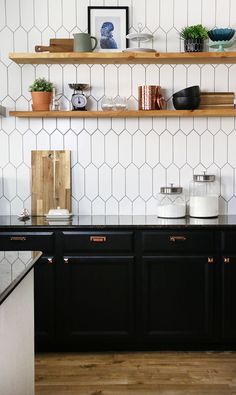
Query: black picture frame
[[109, 41]]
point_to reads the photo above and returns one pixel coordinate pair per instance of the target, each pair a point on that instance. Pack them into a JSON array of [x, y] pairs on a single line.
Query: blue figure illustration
[[107, 41]]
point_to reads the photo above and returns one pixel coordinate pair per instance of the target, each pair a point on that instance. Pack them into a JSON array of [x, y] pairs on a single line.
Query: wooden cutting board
[[213, 98], [51, 181], [57, 45]]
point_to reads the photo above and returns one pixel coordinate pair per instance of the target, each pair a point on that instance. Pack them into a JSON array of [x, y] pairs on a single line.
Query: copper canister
[[147, 97]]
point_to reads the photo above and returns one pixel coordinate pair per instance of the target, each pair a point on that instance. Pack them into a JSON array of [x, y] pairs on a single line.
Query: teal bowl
[[221, 34]]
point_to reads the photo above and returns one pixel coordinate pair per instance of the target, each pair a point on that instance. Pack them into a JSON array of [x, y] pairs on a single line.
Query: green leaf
[[41, 85], [194, 32]]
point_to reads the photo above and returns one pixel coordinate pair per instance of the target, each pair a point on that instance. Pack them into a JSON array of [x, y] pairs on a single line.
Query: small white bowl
[[58, 211]]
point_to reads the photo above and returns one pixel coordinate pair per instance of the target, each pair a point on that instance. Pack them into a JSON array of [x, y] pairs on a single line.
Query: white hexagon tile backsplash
[[118, 165]]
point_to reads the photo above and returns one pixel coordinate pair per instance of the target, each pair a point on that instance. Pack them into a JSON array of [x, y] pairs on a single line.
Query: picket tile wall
[[119, 165]]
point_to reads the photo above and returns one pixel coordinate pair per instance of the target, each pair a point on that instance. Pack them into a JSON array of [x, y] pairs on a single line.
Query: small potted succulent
[[41, 91], [193, 37]]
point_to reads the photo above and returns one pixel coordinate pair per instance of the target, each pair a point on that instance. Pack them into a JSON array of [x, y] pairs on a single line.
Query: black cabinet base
[[132, 288], [126, 347]]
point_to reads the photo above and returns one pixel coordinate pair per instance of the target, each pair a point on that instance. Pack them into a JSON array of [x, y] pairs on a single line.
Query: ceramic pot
[[193, 45], [41, 101]]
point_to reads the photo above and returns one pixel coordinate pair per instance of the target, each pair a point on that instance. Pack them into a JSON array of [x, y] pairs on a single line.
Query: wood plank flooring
[[149, 373]]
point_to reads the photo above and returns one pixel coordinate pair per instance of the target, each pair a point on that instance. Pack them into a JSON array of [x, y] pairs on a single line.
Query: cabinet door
[[44, 294], [229, 298], [98, 301], [177, 299], [26, 241]]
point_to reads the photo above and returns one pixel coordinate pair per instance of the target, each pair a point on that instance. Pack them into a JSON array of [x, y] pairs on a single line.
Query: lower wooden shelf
[[124, 114]]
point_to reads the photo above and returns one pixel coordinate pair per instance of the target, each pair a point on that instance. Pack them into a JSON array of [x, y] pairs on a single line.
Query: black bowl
[[191, 91], [186, 103]]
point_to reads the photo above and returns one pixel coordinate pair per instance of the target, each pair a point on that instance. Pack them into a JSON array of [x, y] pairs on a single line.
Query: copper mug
[[149, 98]]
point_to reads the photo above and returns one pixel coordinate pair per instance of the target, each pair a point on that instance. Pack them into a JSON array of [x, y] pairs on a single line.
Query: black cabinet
[[177, 241], [98, 301], [45, 299], [132, 288], [98, 242], [178, 287], [27, 241], [98, 287], [228, 278], [178, 296], [229, 299]]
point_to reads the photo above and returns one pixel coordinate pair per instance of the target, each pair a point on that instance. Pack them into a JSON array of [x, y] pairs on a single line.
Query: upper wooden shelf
[[124, 58], [124, 114]]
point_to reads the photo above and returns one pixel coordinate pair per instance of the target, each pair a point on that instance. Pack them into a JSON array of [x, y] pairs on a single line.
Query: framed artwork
[[110, 26]]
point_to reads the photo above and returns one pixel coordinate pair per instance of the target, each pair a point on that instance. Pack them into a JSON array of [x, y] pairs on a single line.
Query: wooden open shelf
[[124, 114], [124, 58]]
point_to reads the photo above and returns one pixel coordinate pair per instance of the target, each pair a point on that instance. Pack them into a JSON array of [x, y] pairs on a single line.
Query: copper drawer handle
[[98, 239], [226, 260], [210, 259], [66, 261], [17, 238], [177, 238]]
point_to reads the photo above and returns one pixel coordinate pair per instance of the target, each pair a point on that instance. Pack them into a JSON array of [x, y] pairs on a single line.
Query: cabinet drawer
[[177, 241], [98, 241], [229, 241], [13, 241]]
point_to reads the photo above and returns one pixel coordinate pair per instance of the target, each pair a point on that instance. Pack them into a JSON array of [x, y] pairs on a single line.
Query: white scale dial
[[78, 100]]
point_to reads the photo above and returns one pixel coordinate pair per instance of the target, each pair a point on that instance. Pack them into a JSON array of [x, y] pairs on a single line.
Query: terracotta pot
[[41, 101]]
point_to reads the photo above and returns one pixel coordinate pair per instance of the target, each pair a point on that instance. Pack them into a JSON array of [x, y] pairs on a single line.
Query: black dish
[[191, 91], [186, 103]]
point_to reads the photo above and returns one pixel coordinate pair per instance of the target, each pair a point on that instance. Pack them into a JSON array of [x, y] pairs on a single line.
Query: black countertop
[[111, 221], [14, 266]]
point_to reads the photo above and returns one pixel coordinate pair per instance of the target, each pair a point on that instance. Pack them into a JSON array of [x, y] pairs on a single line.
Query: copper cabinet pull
[[66, 261], [98, 239], [210, 259], [50, 260], [226, 260], [17, 238], [177, 238]]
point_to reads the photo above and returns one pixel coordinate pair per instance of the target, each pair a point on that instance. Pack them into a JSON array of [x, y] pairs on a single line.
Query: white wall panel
[[118, 165], [209, 13], [166, 14], [222, 13], [194, 12]]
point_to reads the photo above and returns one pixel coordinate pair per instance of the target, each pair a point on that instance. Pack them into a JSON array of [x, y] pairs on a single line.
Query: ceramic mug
[[83, 42]]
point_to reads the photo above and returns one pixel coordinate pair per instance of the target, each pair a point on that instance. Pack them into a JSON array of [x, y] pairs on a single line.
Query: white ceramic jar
[[204, 196], [171, 202]]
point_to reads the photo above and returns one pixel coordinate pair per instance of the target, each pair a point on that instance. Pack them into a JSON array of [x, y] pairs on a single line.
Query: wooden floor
[[136, 373]]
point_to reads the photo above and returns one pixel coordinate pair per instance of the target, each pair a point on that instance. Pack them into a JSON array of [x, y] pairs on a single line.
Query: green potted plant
[[193, 37], [41, 91]]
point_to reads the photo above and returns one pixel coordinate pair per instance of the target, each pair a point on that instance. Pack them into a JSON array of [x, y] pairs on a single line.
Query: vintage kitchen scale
[[78, 99]]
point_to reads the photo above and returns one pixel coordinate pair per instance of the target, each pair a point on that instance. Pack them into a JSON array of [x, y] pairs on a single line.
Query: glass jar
[[204, 193], [107, 103], [171, 202], [120, 103]]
